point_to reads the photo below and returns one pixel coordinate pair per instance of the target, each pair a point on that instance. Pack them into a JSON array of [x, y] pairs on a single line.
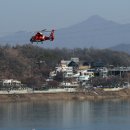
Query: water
[[66, 115]]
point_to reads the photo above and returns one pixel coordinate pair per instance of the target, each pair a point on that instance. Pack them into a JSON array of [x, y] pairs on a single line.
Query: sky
[[34, 15]]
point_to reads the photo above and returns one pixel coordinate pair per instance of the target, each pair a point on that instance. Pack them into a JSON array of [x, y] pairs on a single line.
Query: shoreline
[[97, 94]]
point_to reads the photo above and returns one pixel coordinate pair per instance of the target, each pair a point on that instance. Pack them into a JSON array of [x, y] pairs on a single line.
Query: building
[[83, 75], [75, 59], [11, 82]]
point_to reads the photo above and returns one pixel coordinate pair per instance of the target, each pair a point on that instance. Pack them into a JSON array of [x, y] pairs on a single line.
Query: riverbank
[[96, 94]]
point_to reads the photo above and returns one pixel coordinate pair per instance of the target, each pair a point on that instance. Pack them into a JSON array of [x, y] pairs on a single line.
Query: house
[[83, 75], [74, 65], [11, 82], [64, 63], [75, 59], [67, 67]]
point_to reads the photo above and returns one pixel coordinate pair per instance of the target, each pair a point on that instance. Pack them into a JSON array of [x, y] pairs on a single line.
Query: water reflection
[[65, 115]]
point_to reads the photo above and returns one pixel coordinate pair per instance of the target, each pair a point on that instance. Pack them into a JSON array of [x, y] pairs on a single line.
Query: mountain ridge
[[96, 32], [121, 48]]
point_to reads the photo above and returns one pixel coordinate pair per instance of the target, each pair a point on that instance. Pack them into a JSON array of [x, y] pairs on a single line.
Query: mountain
[[94, 32], [20, 37], [122, 48]]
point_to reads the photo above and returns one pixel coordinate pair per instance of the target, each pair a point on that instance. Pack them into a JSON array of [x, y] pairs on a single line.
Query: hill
[[94, 32], [122, 48], [30, 63]]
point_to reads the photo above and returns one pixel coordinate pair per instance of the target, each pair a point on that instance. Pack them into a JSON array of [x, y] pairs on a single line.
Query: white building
[[84, 75], [67, 71], [64, 68], [11, 82], [75, 59]]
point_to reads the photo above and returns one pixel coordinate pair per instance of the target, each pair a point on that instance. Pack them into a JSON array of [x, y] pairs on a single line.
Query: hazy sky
[[33, 15]]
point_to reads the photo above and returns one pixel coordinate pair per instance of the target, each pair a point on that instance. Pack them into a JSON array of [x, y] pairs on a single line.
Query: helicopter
[[40, 37]]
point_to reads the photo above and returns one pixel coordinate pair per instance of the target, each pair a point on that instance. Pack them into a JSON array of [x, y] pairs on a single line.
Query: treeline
[[32, 64]]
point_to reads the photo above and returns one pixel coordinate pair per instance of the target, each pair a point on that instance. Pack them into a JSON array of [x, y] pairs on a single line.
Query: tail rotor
[[52, 35]]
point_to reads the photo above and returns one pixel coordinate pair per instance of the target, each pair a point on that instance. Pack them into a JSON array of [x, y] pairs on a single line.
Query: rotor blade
[[43, 30], [47, 31]]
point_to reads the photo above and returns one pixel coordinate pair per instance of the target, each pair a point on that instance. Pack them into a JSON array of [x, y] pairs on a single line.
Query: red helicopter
[[40, 37]]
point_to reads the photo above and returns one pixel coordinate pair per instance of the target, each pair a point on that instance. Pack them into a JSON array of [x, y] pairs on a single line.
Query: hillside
[[122, 48], [32, 64], [94, 32]]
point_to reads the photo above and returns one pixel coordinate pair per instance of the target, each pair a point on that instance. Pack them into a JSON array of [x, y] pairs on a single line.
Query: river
[[66, 115]]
